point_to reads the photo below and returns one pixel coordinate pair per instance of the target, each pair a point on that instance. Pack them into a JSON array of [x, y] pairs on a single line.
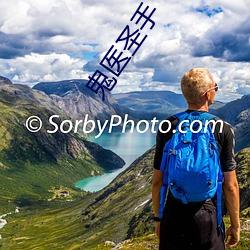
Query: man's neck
[[198, 107]]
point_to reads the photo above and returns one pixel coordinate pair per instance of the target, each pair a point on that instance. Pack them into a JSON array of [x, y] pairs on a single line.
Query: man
[[194, 225]]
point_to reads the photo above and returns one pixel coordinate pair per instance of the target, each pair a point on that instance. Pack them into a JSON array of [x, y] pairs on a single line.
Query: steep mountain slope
[[120, 211], [125, 206], [243, 175], [76, 99], [237, 114], [106, 215], [4, 80], [242, 130], [32, 163], [232, 110]]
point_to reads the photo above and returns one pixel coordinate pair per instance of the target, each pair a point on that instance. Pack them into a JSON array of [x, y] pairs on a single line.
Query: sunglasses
[[216, 87]]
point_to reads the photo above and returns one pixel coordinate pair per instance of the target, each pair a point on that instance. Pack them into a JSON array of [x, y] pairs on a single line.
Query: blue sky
[[65, 39]]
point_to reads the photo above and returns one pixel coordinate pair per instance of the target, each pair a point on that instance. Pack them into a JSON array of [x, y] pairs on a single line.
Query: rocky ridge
[[76, 100]]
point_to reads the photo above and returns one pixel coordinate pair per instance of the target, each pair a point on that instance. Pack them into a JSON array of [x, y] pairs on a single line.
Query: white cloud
[[46, 40], [35, 68]]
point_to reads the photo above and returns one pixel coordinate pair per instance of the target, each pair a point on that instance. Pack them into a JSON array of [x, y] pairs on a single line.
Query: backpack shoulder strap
[[182, 115], [208, 116]]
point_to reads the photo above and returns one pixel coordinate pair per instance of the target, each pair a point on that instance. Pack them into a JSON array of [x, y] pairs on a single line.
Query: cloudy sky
[[54, 40]]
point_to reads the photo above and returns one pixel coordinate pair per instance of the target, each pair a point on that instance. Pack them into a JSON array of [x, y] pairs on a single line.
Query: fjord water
[[128, 146]]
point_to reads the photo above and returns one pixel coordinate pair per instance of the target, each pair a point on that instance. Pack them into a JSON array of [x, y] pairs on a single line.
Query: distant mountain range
[[76, 100], [154, 103], [163, 100]]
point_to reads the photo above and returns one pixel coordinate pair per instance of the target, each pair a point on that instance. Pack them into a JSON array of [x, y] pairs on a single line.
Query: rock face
[[243, 175], [237, 114], [73, 97], [232, 110], [242, 130], [4, 80], [24, 101]]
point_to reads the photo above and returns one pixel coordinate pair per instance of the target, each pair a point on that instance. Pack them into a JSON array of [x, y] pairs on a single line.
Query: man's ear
[[207, 95]]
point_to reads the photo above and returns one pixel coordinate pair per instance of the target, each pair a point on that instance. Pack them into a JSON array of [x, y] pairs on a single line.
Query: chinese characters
[[115, 61]]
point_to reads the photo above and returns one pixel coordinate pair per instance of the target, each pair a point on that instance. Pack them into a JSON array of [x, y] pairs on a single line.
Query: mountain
[[4, 80], [38, 166], [73, 97], [122, 210], [149, 104], [77, 100], [232, 110], [242, 130], [237, 114], [32, 163], [216, 105], [243, 174]]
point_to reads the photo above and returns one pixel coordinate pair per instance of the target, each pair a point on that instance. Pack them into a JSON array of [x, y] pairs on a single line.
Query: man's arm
[[231, 195], [157, 178], [156, 187]]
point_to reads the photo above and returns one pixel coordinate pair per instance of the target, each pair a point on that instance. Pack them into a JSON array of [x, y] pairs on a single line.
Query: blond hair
[[195, 83]]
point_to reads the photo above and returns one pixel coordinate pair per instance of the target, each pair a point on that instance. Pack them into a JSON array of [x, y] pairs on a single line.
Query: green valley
[[32, 163], [120, 213]]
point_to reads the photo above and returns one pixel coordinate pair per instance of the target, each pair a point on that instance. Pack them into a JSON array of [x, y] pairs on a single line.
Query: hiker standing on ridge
[[189, 166]]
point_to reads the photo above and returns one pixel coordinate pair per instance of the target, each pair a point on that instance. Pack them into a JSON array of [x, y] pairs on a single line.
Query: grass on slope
[[31, 164], [32, 183], [51, 225], [57, 226]]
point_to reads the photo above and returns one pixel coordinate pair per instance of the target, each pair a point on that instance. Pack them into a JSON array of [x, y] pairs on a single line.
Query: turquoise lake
[[129, 146]]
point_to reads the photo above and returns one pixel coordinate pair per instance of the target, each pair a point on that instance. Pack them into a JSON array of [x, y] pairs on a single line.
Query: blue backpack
[[191, 162]]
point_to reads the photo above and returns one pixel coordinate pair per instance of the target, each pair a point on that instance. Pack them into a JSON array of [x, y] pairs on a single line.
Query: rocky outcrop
[[237, 114], [243, 175], [242, 130], [73, 97], [4, 80], [232, 110]]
